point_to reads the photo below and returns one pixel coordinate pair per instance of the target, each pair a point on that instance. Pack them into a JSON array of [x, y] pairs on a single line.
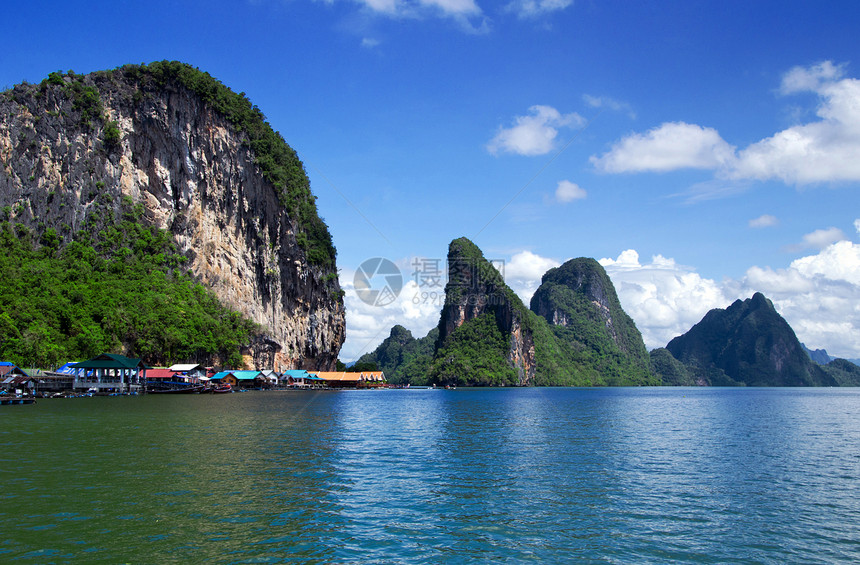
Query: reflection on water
[[619, 475]]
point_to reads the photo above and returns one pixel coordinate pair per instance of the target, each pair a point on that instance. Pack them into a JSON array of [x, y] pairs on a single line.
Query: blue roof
[[296, 373], [240, 375], [67, 369]]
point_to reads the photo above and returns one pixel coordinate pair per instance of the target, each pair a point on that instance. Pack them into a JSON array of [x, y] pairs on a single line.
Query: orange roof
[[338, 376]]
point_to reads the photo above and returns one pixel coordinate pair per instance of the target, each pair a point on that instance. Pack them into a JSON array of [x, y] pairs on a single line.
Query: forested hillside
[[121, 289]]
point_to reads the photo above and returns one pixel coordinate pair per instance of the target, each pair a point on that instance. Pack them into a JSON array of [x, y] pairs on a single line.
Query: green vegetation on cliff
[[748, 343], [475, 355], [123, 290], [501, 342], [843, 372], [579, 302]]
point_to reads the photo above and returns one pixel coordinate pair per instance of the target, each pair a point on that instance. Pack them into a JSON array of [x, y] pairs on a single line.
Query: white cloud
[[837, 262], [537, 8], [416, 308], [533, 134], [819, 239], [463, 12], [824, 150], [454, 7], [801, 79], [568, 192], [764, 221], [612, 104], [711, 190], [389, 7], [523, 273], [818, 295], [369, 42], [663, 298], [671, 146]]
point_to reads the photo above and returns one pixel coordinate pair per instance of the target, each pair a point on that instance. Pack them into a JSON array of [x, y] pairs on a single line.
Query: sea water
[[620, 475]]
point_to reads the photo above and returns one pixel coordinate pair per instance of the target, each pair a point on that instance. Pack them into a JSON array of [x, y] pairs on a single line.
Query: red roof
[[160, 374]]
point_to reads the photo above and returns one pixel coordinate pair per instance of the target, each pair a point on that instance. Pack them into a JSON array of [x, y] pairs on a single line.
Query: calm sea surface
[[546, 475]]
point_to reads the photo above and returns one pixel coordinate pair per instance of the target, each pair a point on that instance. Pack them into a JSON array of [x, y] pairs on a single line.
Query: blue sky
[[701, 151]]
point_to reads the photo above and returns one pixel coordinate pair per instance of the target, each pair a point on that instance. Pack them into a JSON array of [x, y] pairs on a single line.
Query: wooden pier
[[4, 400]]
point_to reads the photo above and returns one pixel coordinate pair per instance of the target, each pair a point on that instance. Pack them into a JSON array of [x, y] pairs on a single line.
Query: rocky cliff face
[[76, 144], [475, 289], [747, 343], [579, 295], [579, 302]]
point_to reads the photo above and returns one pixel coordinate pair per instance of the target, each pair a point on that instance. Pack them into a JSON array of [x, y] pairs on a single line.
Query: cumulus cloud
[[523, 273], [567, 191], [810, 79], [823, 150], [533, 134], [763, 221], [416, 308], [663, 298], [818, 295], [537, 8], [671, 146], [819, 239], [453, 7]]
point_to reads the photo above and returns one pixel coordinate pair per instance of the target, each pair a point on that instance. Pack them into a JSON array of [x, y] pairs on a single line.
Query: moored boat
[[189, 389]]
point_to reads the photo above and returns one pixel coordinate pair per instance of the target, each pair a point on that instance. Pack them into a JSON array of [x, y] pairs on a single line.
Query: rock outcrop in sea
[[579, 302], [204, 164], [576, 333], [748, 343], [484, 317]]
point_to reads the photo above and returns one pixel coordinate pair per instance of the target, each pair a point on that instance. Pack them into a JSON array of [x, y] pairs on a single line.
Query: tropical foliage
[[120, 289]]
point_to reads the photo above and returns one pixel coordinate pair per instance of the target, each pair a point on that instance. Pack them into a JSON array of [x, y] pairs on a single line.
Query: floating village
[[112, 375]]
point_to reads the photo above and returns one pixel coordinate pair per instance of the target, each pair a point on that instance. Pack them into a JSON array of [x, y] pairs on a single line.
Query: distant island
[[575, 333]]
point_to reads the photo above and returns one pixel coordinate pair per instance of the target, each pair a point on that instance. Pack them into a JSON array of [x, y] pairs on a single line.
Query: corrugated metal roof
[[111, 361], [160, 374], [339, 376], [184, 367], [7, 368]]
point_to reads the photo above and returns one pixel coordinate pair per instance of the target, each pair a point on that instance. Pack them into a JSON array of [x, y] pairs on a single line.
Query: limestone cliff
[[206, 166], [579, 301], [485, 334], [577, 335], [747, 343]]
